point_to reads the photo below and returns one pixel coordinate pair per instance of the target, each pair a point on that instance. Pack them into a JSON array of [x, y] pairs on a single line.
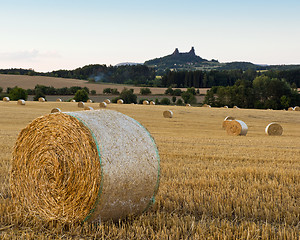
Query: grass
[[212, 186]]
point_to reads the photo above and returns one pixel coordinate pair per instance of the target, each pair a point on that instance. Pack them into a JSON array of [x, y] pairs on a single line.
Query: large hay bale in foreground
[[6, 99], [145, 102], [274, 129], [107, 101], [168, 114], [84, 166], [120, 101], [103, 105], [41, 99], [236, 127], [81, 104], [55, 110], [21, 102]]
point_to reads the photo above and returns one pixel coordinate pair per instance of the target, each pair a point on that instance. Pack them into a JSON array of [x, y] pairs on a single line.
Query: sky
[[48, 35]]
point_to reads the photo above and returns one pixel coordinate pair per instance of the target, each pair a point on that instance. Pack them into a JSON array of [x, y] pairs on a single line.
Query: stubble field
[[212, 186]]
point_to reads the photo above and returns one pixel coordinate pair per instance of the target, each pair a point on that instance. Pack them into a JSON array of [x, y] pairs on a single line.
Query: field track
[[212, 186]]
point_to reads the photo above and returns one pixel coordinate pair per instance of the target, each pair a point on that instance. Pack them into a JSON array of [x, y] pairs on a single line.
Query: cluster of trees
[[263, 92], [203, 79], [126, 74]]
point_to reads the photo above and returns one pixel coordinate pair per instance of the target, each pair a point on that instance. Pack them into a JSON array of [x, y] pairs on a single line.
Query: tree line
[[208, 79], [263, 92]]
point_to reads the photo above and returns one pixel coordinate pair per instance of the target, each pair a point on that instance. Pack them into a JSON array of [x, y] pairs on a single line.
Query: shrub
[[179, 102], [18, 93], [81, 96], [107, 90], [145, 91], [128, 96], [165, 101], [93, 92]]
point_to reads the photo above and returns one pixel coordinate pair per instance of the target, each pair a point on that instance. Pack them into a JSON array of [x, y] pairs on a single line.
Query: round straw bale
[[73, 100], [188, 105], [58, 100], [229, 118], [41, 99], [102, 105], [290, 109], [236, 127], [274, 129], [206, 105], [225, 107], [89, 101], [226, 121], [235, 107], [120, 101], [84, 166], [107, 101], [296, 108], [55, 110], [6, 99], [168, 114], [152, 103], [81, 104], [145, 102], [88, 108], [225, 124], [21, 102]]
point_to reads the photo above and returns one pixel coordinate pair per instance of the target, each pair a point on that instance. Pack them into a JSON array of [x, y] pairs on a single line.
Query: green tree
[[188, 97], [128, 96], [93, 92], [165, 101], [81, 96], [145, 91], [107, 90], [1, 89], [179, 102], [38, 93], [173, 99], [18, 93]]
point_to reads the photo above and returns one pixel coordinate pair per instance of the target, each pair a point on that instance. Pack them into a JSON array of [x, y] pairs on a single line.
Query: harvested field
[[212, 185]]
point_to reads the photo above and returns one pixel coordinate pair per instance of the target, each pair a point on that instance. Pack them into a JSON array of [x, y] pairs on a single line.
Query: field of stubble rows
[[212, 186]]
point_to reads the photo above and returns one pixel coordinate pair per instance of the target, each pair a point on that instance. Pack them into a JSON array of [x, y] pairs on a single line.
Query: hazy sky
[[49, 35]]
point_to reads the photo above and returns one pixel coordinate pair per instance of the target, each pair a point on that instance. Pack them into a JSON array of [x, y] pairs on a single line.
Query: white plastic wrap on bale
[[6, 99], [129, 160], [236, 127], [21, 102], [103, 105]]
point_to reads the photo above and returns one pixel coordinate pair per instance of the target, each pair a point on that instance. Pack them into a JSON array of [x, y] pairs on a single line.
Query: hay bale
[[81, 104], [229, 118], [225, 107], [274, 129], [6, 99], [226, 121], [55, 110], [152, 103], [84, 166], [168, 114], [89, 101], [206, 105], [103, 105], [145, 102], [88, 108], [58, 100], [188, 105], [107, 101], [21, 102], [236, 107], [41, 99], [296, 108], [236, 127], [73, 100], [290, 109], [120, 101]]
